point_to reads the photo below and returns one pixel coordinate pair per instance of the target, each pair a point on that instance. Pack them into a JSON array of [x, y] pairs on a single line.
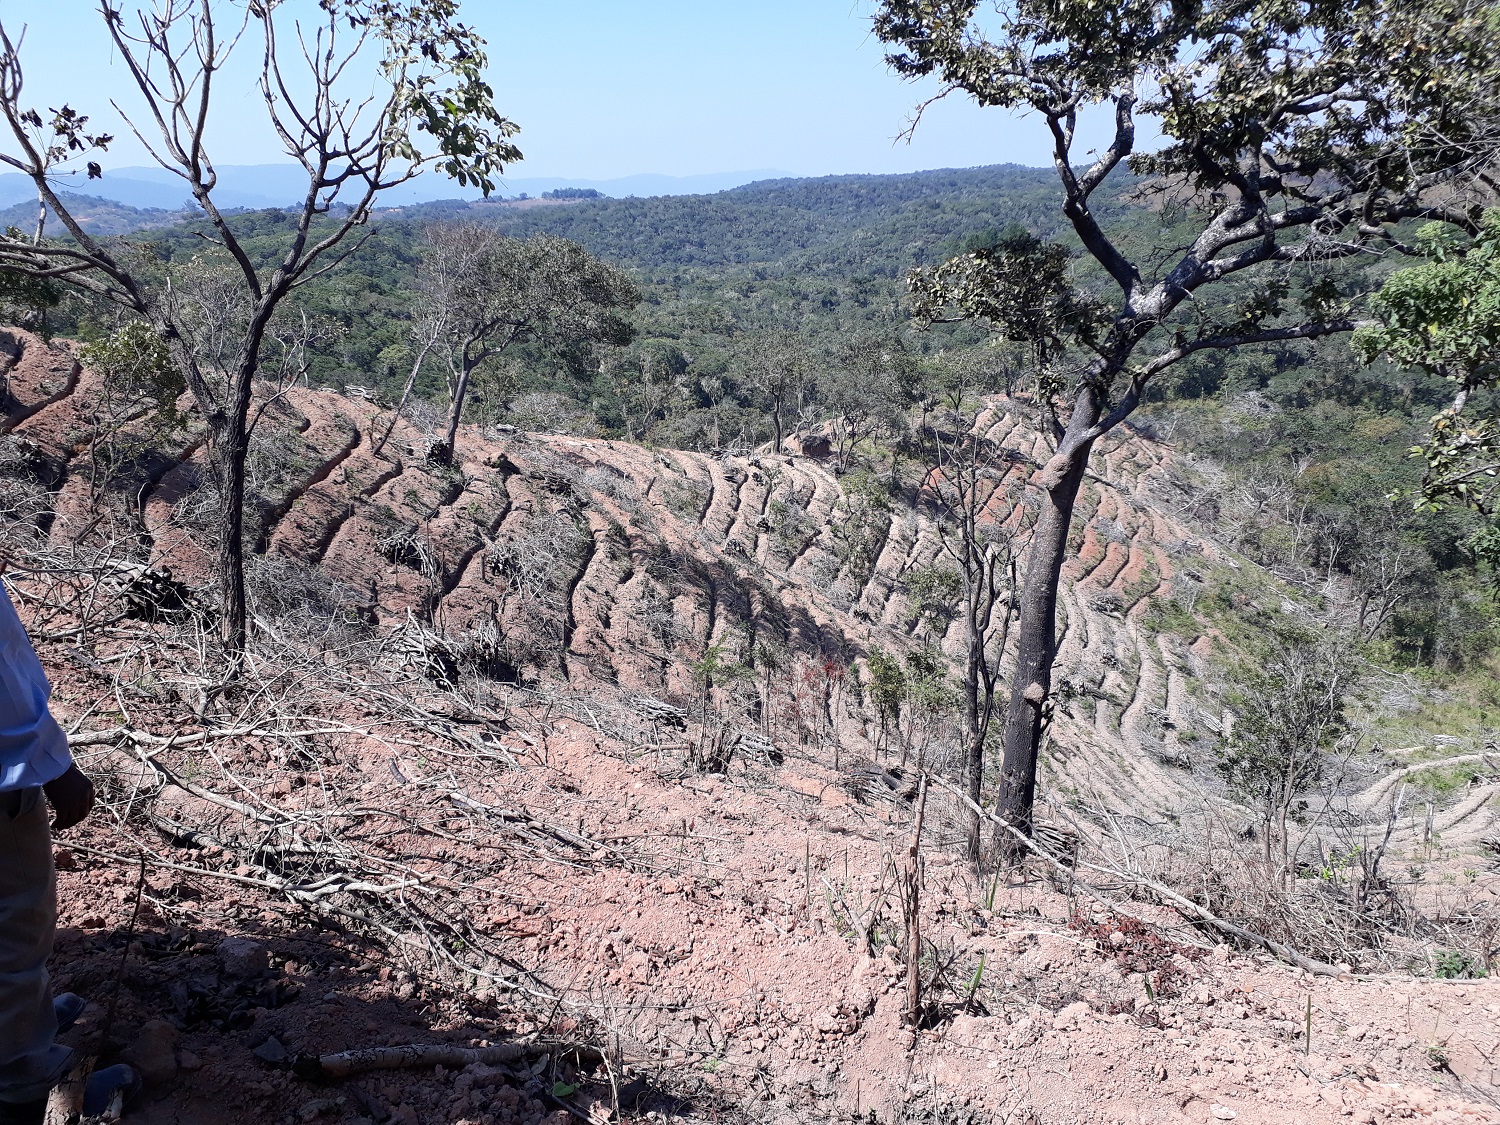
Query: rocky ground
[[718, 950], [407, 831]]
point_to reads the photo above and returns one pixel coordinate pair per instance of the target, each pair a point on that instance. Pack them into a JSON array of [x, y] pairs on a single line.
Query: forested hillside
[[1314, 443], [834, 224], [813, 256]]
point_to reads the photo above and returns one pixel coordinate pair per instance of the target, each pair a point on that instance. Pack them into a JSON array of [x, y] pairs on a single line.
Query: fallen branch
[[304, 894], [1376, 792], [531, 824], [1181, 904], [423, 1056], [413, 1056]]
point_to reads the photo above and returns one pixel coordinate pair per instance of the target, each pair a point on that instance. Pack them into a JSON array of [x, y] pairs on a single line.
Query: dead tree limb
[[1185, 906], [413, 1056]]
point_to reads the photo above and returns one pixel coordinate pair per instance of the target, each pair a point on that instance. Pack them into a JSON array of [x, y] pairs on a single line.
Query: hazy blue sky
[[608, 88]]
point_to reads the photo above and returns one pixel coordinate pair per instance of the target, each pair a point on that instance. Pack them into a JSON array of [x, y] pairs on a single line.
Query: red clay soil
[[728, 938], [720, 960]]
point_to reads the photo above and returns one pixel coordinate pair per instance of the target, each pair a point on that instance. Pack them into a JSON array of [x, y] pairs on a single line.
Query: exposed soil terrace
[[708, 924]]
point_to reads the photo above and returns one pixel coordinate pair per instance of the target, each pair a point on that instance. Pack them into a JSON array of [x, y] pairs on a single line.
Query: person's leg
[[30, 1062]]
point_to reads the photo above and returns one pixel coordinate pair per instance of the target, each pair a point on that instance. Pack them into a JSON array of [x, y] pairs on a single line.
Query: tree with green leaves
[[915, 687], [869, 381], [1443, 317], [363, 94], [135, 406], [651, 380], [491, 292], [780, 367], [1289, 711], [1294, 135], [24, 300]]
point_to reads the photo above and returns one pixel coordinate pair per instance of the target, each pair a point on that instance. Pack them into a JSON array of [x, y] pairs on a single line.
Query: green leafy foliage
[[135, 362], [1289, 706], [887, 683], [24, 297], [1443, 317], [435, 65], [1020, 285], [1454, 964], [934, 594], [134, 410]]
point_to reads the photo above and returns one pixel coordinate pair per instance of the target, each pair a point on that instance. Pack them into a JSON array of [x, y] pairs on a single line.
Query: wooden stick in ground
[[914, 913], [413, 1056], [1181, 904]]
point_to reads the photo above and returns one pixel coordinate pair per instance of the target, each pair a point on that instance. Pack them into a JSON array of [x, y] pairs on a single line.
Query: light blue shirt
[[33, 748]]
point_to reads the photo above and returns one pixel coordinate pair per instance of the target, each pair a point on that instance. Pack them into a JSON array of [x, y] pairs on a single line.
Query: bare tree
[[428, 71], [1385, 575], [966, 480], [427, 328]]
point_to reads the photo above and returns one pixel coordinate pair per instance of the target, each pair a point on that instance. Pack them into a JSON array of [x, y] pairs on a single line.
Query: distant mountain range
[[97, 216], [282, 185]]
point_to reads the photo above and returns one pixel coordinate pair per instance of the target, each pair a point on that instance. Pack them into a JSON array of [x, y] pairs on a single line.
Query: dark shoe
[[23, 1113], [105, 1086], [67, 1008]]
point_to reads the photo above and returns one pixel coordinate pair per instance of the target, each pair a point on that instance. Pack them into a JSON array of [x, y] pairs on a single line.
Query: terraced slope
[[731, 932], [614, 569]]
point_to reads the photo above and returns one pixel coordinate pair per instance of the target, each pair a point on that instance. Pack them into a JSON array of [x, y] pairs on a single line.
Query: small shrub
[[1167, 615], [934, 595], [1454, 964]]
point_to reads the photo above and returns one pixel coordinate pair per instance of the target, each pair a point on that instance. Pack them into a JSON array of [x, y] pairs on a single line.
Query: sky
[[611, 88]]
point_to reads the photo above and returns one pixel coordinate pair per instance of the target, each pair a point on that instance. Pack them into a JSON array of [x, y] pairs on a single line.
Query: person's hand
[[72, 796]]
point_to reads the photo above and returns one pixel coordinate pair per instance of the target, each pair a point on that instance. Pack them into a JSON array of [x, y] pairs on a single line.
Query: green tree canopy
[[1443, 317], [1293, 135]]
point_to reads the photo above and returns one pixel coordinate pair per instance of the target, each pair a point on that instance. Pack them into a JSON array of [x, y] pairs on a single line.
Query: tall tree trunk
[[975, 724], [1032, 681], [229, 428], [776, 420], [231, 447], [456, 411], [978, 694]]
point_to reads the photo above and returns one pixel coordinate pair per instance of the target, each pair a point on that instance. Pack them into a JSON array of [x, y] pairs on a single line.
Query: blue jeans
[[30, 1062]]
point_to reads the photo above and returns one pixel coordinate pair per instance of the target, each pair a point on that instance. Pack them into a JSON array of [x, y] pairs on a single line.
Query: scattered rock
[[271, 1051], [1069, 1017], [154, 1053], [242, 957]]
